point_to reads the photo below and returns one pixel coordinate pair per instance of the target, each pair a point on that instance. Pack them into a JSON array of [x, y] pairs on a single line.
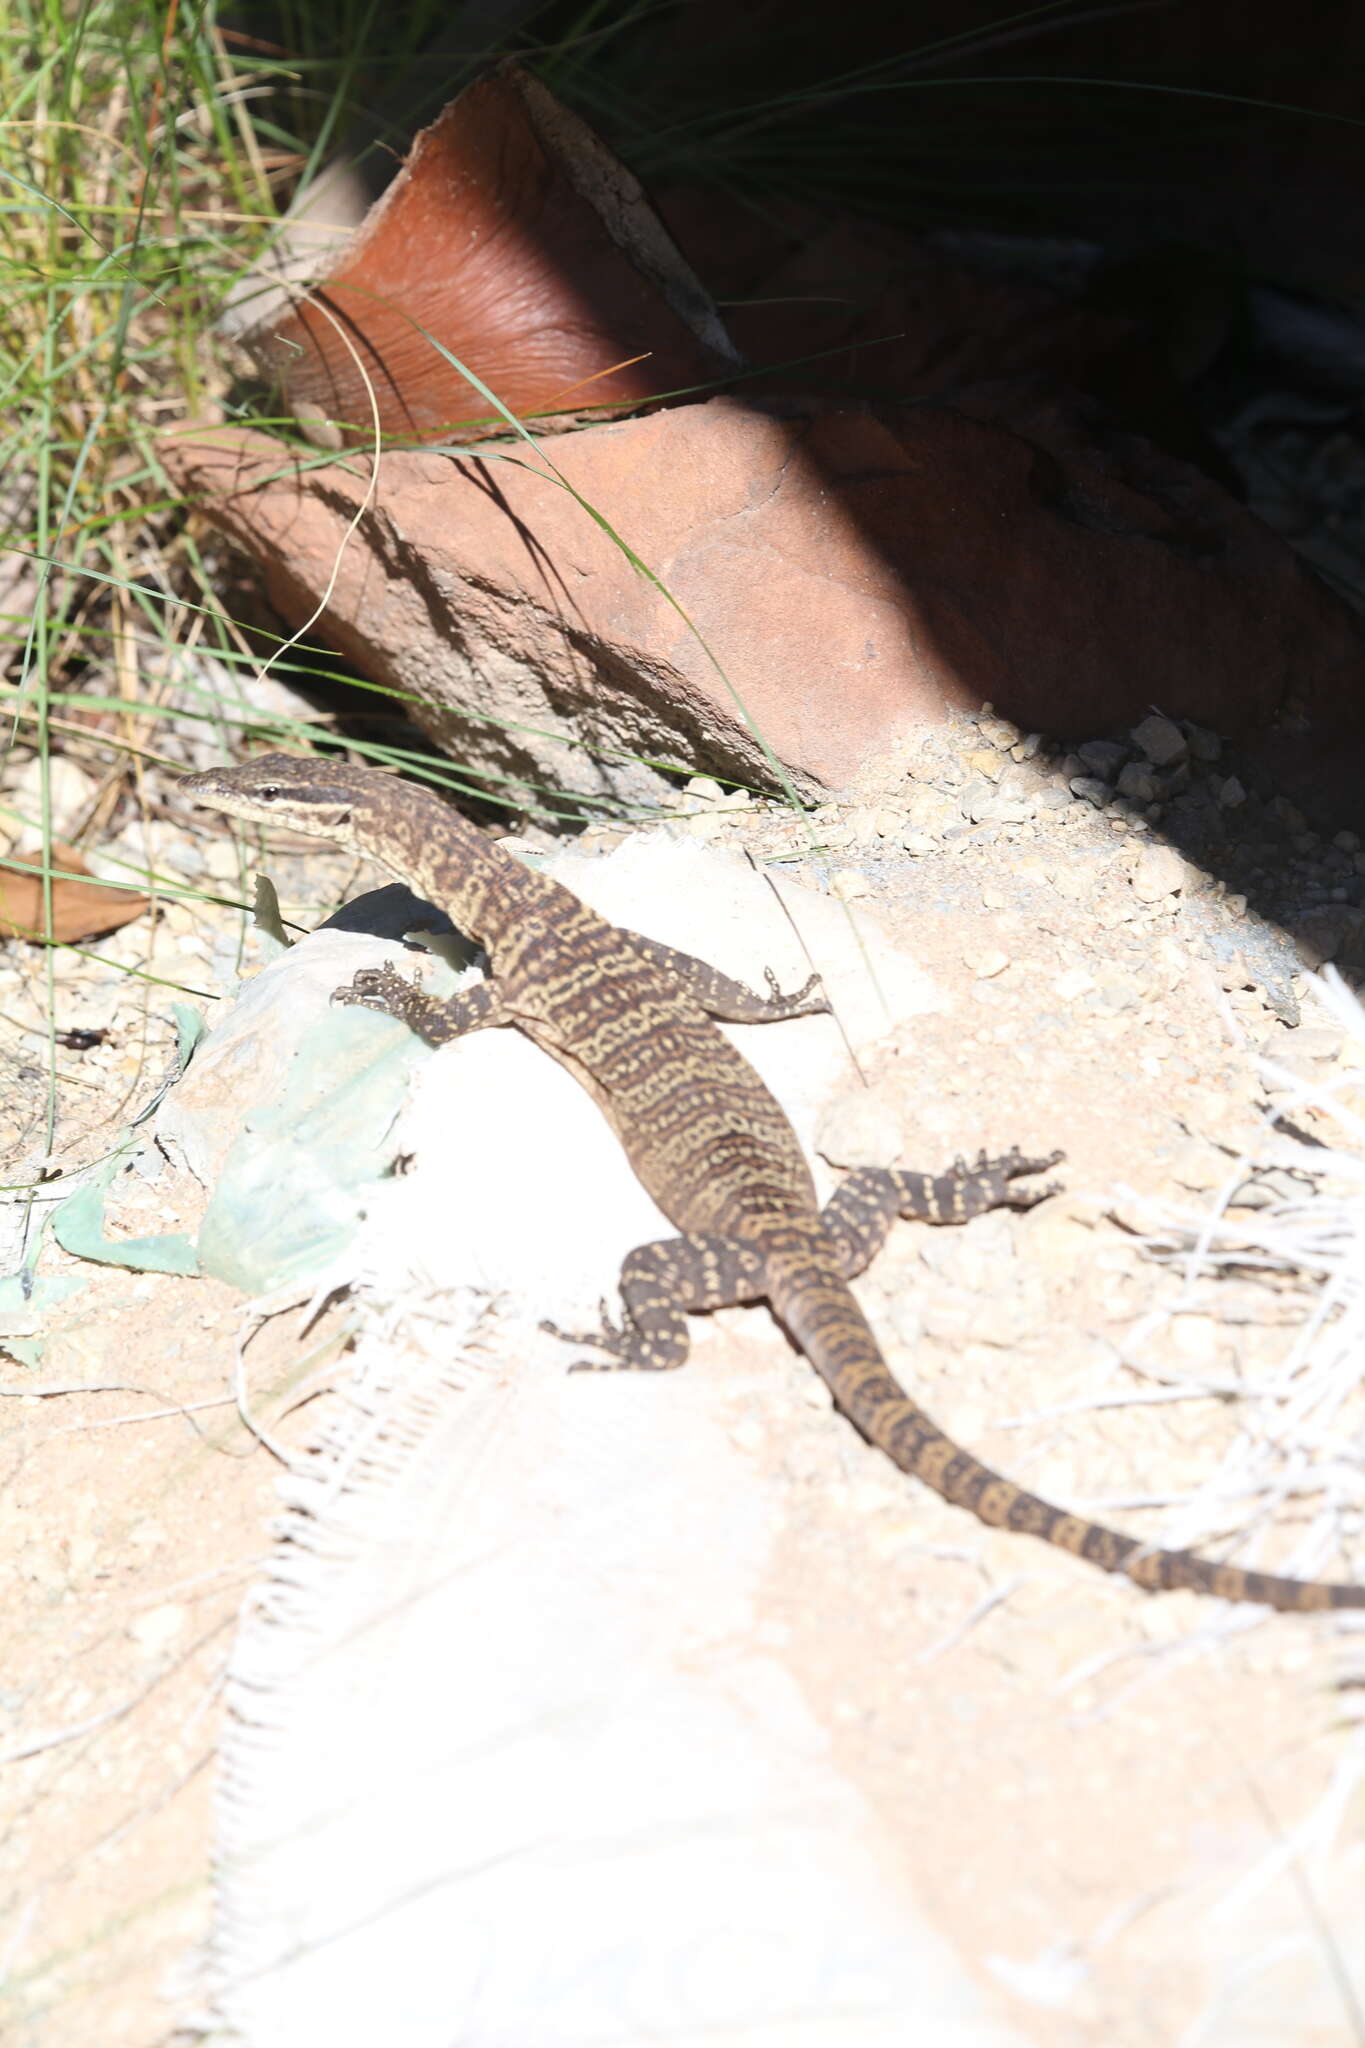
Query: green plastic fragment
[[78, 1226], [190, 1026], [300, 1176], [24, 1295]]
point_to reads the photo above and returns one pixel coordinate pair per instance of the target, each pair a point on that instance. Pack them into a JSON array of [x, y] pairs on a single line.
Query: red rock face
[[934, 495], [496, 245], [851, 572]]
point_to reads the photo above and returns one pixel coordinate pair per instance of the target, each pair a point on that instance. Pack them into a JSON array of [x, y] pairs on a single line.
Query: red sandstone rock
[[842, 306], [515, 242], [852, 573]]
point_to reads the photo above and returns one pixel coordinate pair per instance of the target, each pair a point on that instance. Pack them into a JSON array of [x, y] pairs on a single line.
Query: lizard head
[[306, 793]]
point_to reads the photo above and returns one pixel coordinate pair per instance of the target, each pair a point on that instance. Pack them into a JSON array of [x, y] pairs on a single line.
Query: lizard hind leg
[[862, 1209], [661, 1284]]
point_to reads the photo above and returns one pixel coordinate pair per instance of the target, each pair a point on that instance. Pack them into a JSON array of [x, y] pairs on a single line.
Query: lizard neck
[[439, 854]]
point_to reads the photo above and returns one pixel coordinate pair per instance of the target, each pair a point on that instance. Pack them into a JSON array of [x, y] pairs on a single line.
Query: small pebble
[[1103, 757], [1159, 872], [1231, 794], [602, 839], [70, 791], [929, 810], [1198, 1166], [1091, 789], [221, 859], [158, 1628], [985, 966], [1136, 780], [1161, 740], [1115, 994], [1203, 744], [862, 823], [978, 801], [861, 1128], [849, 884], [832, 832]]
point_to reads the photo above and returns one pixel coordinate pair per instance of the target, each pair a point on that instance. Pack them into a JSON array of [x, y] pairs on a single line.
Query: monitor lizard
[[631, 1019]]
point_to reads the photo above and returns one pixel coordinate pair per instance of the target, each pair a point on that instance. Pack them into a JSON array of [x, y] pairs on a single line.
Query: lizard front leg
[[435, 1020], [861, 1211], [729, 1000], [661, 1284]]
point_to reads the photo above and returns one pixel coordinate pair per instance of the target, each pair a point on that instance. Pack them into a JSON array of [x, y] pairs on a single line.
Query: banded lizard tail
[[632, 1021]]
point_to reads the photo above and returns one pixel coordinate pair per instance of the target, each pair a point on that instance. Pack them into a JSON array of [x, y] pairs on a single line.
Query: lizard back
[[703, 1134]]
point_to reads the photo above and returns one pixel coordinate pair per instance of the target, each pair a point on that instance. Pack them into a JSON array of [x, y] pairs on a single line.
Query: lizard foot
[[608, 1337], [378, 988], [1010, 1166], [799, 1003]]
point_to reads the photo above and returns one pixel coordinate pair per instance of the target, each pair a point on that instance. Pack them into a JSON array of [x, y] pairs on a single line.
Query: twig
[[801, 942], [978, 1613]]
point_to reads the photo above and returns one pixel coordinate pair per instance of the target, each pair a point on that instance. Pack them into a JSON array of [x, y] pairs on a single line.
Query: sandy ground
[[1095, 1795]]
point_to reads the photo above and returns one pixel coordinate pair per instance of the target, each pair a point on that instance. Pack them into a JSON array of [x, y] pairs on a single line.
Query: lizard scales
[[632, 1020]]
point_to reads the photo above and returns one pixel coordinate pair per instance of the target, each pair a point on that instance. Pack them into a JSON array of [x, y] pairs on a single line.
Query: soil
[[1117, 1807]]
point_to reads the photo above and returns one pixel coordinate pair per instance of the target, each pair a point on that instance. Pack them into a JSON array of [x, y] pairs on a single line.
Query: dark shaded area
[[1120, 125], [1120, 122]]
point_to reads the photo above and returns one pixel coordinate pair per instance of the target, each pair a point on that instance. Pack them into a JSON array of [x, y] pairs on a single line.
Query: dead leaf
[[80, 910]]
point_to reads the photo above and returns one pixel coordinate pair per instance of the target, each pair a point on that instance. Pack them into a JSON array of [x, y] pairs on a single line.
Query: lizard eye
[[269, 793]]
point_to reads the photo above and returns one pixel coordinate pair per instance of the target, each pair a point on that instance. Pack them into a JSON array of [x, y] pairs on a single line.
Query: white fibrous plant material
[[1301, 1437], [1302, 1431]]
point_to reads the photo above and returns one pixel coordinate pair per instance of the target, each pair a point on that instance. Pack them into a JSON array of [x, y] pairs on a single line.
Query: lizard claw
[[1015, 1163], [374, 988], [797, 1004], [1014, 1166], [607, 1338], [987, 1183]]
